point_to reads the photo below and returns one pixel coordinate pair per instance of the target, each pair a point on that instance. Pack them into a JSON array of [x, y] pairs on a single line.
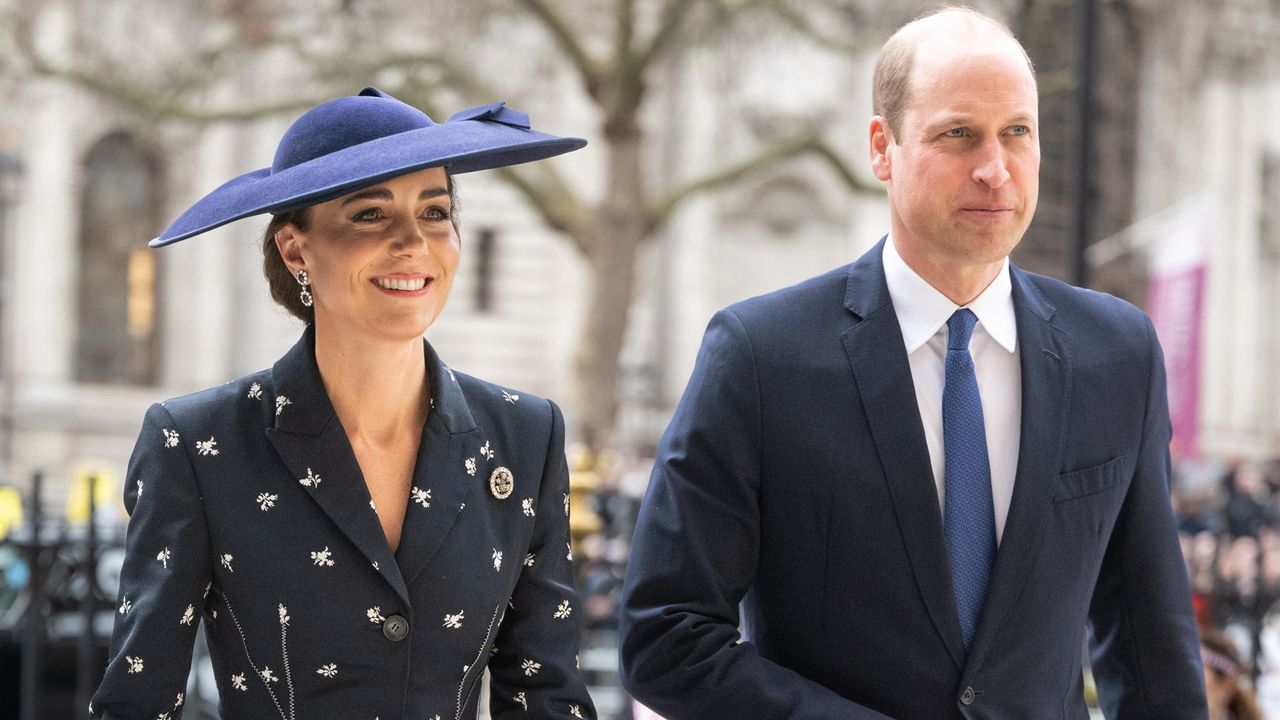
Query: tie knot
[[960, 329]]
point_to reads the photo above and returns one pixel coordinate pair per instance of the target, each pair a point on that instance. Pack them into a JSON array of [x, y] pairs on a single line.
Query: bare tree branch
[[766, 157], [796, 19], [550, 198], [566, 38], [673, 16]]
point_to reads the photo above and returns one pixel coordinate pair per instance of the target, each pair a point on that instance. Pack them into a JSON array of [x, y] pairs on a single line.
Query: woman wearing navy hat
[[361, 530]]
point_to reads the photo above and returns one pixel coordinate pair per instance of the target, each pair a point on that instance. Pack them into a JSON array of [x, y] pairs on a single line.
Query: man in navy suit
[[912, 487]]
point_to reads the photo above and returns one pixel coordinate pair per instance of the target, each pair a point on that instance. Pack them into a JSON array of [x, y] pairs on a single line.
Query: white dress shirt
[[922, 314]]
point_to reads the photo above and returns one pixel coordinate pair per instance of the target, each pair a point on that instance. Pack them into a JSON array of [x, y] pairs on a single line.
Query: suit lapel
[[1046, 393], [882, 373], [449, 440], [311, 441]]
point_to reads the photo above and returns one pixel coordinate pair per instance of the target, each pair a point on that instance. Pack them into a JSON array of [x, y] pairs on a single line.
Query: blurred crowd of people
[[1229, 526]]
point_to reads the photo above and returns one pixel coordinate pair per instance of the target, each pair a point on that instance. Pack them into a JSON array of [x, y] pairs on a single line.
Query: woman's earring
[[305, 281]]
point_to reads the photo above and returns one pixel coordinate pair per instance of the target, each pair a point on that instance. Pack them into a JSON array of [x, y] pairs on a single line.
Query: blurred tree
[[145, 55]]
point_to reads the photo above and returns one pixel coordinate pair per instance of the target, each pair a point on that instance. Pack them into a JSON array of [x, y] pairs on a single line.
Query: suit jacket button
[[395, 628], [966, 697]]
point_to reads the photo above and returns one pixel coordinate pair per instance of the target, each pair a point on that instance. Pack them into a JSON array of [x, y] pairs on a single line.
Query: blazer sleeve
[[694, 555], [163, 581], [1144, 647], [534, 668]]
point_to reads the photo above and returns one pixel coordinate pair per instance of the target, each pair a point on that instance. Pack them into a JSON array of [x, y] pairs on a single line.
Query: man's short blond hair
[[891, 86]]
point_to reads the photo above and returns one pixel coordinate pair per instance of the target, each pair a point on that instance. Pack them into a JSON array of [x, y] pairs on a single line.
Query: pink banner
[[1175, 301]]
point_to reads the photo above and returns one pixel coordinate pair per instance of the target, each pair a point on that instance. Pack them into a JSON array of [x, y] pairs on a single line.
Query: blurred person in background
[[1223, 671], [1249, 504], [361, 530], [820, 535]]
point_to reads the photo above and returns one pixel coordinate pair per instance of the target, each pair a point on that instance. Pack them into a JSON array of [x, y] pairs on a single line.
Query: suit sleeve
[[534, 669], [163, 581], [694, 556], [1144, 647]]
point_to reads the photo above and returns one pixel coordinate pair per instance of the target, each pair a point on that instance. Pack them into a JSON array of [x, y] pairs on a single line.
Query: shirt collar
[[922, 310]]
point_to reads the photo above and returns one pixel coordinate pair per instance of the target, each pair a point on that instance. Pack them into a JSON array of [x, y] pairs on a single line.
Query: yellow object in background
[[10, 510], [104, 492]]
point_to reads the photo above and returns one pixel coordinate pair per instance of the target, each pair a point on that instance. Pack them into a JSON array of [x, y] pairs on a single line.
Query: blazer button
[[395, 628], [966, 697]]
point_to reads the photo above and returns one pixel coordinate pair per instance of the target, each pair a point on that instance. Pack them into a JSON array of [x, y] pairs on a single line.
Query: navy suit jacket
[[249, 514], [794, 483]]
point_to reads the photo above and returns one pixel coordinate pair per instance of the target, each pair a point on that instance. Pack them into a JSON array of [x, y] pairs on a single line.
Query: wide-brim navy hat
[[343, 145]]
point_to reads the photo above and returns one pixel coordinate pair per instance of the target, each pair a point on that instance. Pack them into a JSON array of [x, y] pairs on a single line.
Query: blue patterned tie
[[969, 518]]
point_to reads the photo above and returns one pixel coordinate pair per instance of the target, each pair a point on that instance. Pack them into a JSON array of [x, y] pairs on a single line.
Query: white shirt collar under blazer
[[922, 310]]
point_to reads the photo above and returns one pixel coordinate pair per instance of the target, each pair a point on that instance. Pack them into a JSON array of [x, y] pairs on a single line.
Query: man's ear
[[881, 138], [289, 243]]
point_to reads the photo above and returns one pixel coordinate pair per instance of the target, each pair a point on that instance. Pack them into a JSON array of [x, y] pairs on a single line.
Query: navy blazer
[[249, 514], [795, 479]]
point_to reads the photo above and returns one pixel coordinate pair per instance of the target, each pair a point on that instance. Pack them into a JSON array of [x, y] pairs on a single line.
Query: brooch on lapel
[[501, 483]]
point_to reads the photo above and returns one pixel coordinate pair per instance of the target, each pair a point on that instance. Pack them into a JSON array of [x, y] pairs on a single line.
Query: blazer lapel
[[448, 469], [882, 373], [1046, 393], [312, 443]]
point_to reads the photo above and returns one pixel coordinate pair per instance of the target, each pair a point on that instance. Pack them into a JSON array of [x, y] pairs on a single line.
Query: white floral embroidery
[[226, 561], [207, 587], [266, 501], [528, 560], [322, 557], [311, 480], [375, 615], [470, 465], [163, 557], [189, 616], [527, 505], [163, 716], [135, 664], [255, 391], [178, 703], [284, 614], [237, 682], [207, 447], [125, 605], [510, 397], [486, 451], [372, 506], [170, 438], [281, 401], [422, 497], [375, 564], [328, 670], [530, 667], [568, 552], [453, 621], [566, 504], [497, 559], [564, 610], [575, 711], [268, 676], [139, 488], [520, 698]]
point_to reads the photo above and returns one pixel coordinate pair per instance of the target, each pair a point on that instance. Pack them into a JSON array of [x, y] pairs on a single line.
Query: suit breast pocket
[[1087, 482]]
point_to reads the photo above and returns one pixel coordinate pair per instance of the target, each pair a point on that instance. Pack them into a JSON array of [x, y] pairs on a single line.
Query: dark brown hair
[[1241, 704], [284, 287]]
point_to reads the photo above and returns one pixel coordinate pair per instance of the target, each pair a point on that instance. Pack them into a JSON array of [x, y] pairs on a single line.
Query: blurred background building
[[727, 158]]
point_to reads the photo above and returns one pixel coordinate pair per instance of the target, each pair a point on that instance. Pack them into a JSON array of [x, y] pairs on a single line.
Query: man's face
[[963, 172]]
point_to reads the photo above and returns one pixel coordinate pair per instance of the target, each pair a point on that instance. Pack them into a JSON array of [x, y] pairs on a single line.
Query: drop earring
[[305, 281]]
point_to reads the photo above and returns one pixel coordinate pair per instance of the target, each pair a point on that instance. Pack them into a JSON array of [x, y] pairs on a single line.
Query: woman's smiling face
[[380, 260]]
